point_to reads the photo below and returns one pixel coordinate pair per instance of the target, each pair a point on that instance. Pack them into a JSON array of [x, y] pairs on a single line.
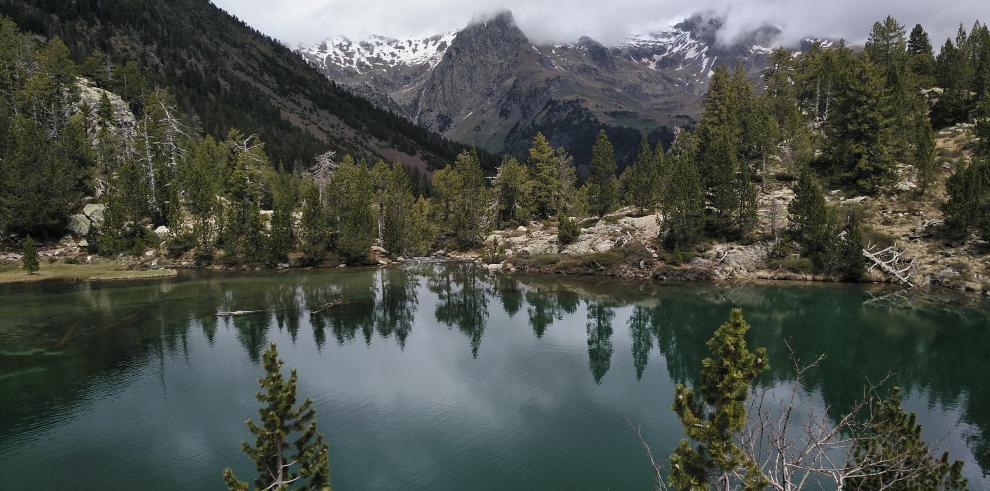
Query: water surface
[[438, 376]]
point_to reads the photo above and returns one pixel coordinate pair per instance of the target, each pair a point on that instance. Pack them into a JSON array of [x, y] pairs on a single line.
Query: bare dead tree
[[322, 171], [891, 261]]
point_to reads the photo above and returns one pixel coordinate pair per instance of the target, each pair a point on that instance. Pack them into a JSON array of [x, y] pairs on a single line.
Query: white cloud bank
[[609, 21]]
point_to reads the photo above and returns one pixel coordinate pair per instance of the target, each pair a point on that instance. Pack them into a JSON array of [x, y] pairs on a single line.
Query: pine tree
[[683, 201], [287, 451], [982, 128], [921, 57], [29, 258], [642, 178], [809, 214], [955, 74], [38, 180], [852, 264], [859, 134], [895, 454], [968, 203], [923, 157], [554, 178], [715, 411], [394, 202], [718, 144], [280, 236], [201, 183], [422, 231], [602, 184], [886, 45], [567, 230], [512, 190], [461, 199], [351, 210], [315, 231]]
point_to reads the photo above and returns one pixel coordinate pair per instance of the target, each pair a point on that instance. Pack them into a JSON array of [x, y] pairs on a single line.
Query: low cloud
[[610, 22]]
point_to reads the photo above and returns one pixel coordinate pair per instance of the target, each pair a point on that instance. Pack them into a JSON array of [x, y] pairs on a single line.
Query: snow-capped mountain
[[488, 85], [378, 52]]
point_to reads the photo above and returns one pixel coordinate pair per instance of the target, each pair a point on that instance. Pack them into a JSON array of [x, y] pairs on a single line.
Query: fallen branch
[[327, 306], [891, 262], [235, 313]]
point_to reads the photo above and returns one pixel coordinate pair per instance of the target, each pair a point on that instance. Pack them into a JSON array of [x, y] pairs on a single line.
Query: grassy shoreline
[[98, 271]]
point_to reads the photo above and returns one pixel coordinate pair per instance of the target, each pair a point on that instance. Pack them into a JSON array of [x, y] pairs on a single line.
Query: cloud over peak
[[609, 22]]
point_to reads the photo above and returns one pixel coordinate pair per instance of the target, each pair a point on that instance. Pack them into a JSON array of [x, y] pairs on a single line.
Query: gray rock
[[79, 225], [162, 232], [95, 212]]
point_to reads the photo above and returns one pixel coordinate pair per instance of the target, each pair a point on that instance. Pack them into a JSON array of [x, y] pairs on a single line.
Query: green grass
[[12, 273]]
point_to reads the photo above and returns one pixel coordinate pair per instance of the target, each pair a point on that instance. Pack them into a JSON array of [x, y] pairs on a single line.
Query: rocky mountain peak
[[489, 85]]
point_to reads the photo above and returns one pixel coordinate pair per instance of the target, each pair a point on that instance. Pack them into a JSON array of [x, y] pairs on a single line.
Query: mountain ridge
[[236, 77], [487, 84]]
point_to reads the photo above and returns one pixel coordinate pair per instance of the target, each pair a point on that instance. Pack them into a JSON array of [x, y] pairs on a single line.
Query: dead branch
[[890, 260]]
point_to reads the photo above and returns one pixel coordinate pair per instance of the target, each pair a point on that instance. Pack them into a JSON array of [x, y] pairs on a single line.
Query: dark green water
[[436, 377]]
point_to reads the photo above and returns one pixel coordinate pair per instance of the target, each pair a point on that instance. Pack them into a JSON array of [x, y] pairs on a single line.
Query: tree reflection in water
[[934, 351]]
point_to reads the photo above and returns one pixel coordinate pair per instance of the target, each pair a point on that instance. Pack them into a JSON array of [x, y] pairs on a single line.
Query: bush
[[567, 230], [494, 252], [802, 265], [181, 244]]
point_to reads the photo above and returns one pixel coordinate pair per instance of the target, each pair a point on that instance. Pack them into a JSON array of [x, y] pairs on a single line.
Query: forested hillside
[[224, 74]]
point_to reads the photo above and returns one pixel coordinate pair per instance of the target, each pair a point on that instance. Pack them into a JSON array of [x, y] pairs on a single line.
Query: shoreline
[[100, 269]]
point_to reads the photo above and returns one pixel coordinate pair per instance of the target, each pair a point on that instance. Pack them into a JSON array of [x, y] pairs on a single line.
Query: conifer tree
[[422, 231], [982, 128], [683, 202], [461, 199], [602, 184], [201, 183], [642, 178], [29, 258], [808, 214], [512, 190], [546, 176], [921, 57], [923, 157], [280, 235], [955, 75], [886, 45], [288, 450], [859, 134], [394, 202], [968, 204], [351, 210], [893, 454], [315, 231], [38, 180], [109, 144], [718, 144], [714, 411]]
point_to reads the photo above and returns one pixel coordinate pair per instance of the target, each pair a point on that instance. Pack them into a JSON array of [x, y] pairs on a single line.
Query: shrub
[[494, 252], [567, 230], [802, 265], [181, 244]]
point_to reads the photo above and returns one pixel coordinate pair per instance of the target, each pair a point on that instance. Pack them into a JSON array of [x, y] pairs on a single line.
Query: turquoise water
[[439, 376]]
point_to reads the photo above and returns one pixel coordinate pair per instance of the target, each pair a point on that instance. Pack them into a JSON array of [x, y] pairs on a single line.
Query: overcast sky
[[608, 21]]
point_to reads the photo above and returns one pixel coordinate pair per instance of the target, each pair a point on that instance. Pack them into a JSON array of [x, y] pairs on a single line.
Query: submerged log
[[234, 313], [327, 306]]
